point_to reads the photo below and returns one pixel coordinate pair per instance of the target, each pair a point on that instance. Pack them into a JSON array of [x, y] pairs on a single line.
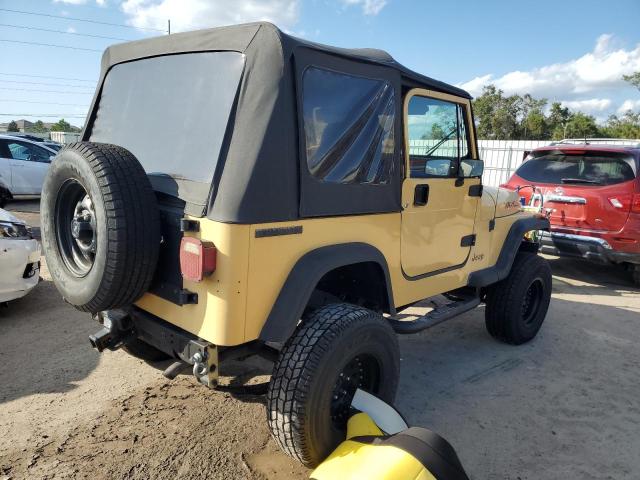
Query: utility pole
[[169, 26]]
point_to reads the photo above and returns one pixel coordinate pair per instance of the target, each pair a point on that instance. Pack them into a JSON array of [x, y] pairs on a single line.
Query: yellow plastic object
[[354, 459]]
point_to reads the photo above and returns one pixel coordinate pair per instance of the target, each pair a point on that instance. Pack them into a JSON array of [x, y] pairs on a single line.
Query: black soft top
[[260, 177]]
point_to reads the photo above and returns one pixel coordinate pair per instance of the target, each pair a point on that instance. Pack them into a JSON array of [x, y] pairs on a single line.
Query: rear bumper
[[592, 248]]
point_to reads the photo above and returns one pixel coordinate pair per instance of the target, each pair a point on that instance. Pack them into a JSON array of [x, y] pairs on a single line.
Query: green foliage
[[61, 126], [633, 79], [12, 127], [518, 117], [38, 127], [627, 126]]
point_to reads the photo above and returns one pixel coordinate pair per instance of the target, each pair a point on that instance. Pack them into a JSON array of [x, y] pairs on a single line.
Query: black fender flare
[[303, 278], [510, 248]]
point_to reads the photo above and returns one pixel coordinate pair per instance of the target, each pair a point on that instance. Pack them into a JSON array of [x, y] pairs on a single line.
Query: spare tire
[[100, 226]]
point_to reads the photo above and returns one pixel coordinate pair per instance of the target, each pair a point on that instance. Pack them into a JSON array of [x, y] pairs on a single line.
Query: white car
[[19, 258], [23, 166]]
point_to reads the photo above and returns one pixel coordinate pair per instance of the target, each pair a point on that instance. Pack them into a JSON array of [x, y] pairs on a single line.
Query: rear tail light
[[629, 202], [621, 202], [197, 258]]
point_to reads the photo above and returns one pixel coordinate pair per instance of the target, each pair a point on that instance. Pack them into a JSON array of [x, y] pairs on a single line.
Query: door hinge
[[475, 190], [468, 241]]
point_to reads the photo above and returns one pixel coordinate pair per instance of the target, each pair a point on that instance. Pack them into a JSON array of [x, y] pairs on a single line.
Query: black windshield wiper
[[581, 180]]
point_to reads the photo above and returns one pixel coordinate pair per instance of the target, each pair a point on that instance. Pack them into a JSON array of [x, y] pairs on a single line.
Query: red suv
[[592, 190]]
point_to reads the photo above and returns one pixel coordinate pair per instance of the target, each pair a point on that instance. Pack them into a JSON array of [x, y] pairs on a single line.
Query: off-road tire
[[144, 351], [300, 395], [506, 307], [127, 226]]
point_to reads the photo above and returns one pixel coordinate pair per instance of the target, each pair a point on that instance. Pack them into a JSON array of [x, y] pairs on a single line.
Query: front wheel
[[517, 305], [337, 349]]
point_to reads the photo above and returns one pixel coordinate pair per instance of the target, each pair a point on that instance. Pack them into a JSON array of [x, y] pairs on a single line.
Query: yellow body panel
[[222, 297], [235, 301]]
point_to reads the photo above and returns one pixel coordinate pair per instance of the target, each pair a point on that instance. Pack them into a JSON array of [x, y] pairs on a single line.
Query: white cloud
[[629, 105], [194, 14], [369, 7], [102, 3], [599, 69], [590, 105]]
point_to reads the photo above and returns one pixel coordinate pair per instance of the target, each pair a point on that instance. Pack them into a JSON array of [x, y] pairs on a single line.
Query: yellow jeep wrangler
[[240, 192]]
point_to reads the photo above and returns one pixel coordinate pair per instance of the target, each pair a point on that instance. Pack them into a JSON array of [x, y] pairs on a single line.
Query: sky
[[570, 51]]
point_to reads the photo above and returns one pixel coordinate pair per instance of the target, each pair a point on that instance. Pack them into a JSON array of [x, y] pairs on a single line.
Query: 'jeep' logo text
[[477, 257]]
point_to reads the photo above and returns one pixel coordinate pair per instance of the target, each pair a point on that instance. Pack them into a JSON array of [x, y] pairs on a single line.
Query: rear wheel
[[517, 305], [336, 350]]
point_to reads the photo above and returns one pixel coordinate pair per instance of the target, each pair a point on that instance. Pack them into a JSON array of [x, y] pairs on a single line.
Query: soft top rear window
[[171, 112], [584, 168]]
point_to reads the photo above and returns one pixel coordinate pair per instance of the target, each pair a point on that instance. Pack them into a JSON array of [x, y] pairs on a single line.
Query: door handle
[[421, 195]]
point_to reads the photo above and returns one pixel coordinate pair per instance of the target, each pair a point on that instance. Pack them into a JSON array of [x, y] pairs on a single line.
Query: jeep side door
[[442, 183]]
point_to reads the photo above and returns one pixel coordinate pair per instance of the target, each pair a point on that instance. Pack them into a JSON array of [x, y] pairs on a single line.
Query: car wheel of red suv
[[635, 273]]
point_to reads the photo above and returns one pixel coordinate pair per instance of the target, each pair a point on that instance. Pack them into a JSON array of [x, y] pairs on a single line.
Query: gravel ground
[[563, 406]]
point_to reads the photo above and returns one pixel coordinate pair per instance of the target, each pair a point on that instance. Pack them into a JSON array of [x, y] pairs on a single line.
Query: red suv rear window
[[585, 168]]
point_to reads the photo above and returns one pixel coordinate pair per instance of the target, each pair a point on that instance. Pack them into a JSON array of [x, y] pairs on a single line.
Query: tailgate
[[584, 189]]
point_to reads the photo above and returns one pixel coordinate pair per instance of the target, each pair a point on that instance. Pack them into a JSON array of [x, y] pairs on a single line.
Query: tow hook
[[205, 365]]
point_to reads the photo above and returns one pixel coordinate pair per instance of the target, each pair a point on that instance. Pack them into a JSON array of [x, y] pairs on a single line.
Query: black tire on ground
[[5, 196], [308, 400], [100, 226], [144, 351], [635, 274], [517, 305]]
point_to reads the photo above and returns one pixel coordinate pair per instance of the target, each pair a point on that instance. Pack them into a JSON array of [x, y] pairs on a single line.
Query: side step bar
[[436, 316]]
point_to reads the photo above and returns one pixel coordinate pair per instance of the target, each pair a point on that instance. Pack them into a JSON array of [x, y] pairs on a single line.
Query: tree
[[13, 126], [39, 127], [61, 126], [581, 125], [557, 121], [627, 126], [633, 79], [497, 115], [533, 124]]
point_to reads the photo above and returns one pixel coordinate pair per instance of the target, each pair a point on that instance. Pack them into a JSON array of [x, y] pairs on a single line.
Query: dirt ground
[[564, 406]]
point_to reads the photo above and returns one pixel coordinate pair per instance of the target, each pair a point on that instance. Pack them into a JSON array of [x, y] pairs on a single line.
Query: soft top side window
[[348, 127], [437, 138]]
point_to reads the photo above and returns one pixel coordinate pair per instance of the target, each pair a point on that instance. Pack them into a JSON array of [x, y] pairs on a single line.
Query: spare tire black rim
[[75, 224], [532, 300], [362, 371]]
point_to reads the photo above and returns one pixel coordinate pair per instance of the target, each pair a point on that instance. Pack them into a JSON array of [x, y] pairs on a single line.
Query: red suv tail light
[[197, 258], [628, 202], [635, 203]]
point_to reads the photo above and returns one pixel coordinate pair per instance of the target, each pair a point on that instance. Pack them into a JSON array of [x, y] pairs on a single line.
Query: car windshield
[[171, 112], [584, 168]]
